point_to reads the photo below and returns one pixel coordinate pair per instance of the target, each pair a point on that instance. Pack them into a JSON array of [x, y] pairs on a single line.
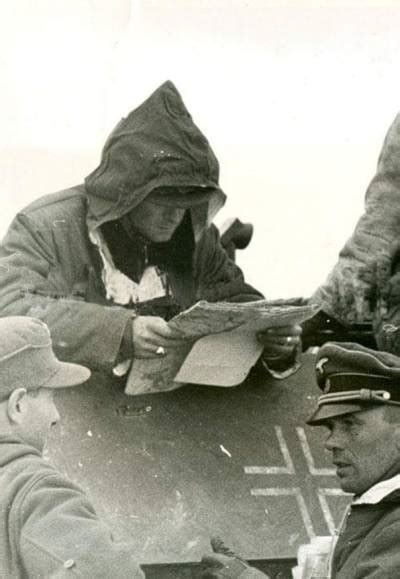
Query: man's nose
[[56, 416], [175, 213], [334, 440]]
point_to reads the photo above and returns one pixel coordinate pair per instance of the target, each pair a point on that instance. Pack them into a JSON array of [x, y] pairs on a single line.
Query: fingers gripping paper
[[225, 344]]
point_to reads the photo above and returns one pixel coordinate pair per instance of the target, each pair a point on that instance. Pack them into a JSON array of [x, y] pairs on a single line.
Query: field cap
[[354, 378], [27, 359]]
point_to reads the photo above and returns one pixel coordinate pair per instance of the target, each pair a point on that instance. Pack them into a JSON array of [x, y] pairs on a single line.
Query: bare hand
[[152, 337], [280, 342]]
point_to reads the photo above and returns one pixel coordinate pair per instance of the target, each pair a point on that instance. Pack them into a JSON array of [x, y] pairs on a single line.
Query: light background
[[295, 98]]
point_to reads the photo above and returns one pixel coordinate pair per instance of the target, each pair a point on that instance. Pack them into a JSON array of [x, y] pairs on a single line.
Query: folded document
[[225, 344]]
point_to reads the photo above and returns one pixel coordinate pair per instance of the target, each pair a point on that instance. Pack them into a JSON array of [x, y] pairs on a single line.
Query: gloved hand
[[152, 337], [224, 563]]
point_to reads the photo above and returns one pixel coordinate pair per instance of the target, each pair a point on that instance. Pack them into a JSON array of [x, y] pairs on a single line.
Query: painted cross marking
[[288, 468]]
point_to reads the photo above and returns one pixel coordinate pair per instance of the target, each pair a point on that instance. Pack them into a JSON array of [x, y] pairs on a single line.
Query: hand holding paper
[[226, 347], [152, 337]]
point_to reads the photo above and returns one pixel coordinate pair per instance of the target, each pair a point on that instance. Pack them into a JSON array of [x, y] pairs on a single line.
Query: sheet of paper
[[226, 346], [206, 318], [221, 359], [152, 375]]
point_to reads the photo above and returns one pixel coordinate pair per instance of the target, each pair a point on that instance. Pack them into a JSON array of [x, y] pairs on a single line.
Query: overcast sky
[[295, 98]]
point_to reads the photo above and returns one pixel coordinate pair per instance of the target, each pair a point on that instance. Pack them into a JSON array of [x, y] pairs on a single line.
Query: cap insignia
[[320, 364], [327, 385]]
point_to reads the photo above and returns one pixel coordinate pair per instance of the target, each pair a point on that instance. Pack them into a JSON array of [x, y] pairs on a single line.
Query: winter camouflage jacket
[[364, 285]]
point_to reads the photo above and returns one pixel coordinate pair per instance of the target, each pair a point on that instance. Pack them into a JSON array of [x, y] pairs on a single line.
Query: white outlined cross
[[288, 468]]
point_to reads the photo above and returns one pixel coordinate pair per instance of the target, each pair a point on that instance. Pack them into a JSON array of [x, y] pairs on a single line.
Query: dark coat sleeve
[[386, 320], [61, 536], [387, 331], [39, 271], [380, 559], [217, 277]]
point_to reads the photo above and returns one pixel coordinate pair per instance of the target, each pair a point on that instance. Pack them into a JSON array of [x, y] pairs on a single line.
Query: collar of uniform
[[379, 491]]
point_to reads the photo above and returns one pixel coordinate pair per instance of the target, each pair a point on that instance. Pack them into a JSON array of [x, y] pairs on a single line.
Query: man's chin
[[346, 481], [347, 487], [161, 237]]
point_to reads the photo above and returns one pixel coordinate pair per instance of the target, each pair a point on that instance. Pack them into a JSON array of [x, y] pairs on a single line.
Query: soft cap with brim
[[328, 411], [27, 359]]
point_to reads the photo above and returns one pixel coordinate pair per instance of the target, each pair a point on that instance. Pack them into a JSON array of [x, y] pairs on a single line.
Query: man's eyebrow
[[353, 418], [345, 418]]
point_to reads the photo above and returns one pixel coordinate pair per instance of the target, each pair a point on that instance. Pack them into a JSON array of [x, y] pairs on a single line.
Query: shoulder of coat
[[73, 195], [68, 203]]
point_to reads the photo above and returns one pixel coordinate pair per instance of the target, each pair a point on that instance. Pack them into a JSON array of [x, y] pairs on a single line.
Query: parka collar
[[380, 491]]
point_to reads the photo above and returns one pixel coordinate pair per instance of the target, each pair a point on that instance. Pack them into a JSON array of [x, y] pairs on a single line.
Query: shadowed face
[[365, 448], [154, 221]]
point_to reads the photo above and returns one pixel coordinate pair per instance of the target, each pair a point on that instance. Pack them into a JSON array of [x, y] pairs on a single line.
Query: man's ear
[[16, 405]]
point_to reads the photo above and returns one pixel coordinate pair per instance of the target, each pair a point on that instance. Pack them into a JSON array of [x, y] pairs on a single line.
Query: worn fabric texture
[[368, 547], [357, 287], [50, 269], [48, 527], [156, 145]]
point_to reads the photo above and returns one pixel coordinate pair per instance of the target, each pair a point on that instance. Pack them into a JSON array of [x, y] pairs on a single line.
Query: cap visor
[[67, 375], [327, 411], [183, 200]]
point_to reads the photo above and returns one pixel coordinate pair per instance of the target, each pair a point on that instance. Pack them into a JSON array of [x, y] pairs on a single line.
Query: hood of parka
[[156, 145]]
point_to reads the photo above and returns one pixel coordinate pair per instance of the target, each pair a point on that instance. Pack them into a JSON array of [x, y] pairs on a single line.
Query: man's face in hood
[[154, 220], [159, 215]]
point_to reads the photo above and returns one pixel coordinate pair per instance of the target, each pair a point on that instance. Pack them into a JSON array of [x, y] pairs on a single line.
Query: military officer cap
[[354, 378]]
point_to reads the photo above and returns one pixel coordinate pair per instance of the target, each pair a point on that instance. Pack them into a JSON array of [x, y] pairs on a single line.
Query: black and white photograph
[[199, 289]]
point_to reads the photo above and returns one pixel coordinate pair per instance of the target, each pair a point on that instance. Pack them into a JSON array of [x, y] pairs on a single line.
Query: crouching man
[[48, 527], [360, 408]]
